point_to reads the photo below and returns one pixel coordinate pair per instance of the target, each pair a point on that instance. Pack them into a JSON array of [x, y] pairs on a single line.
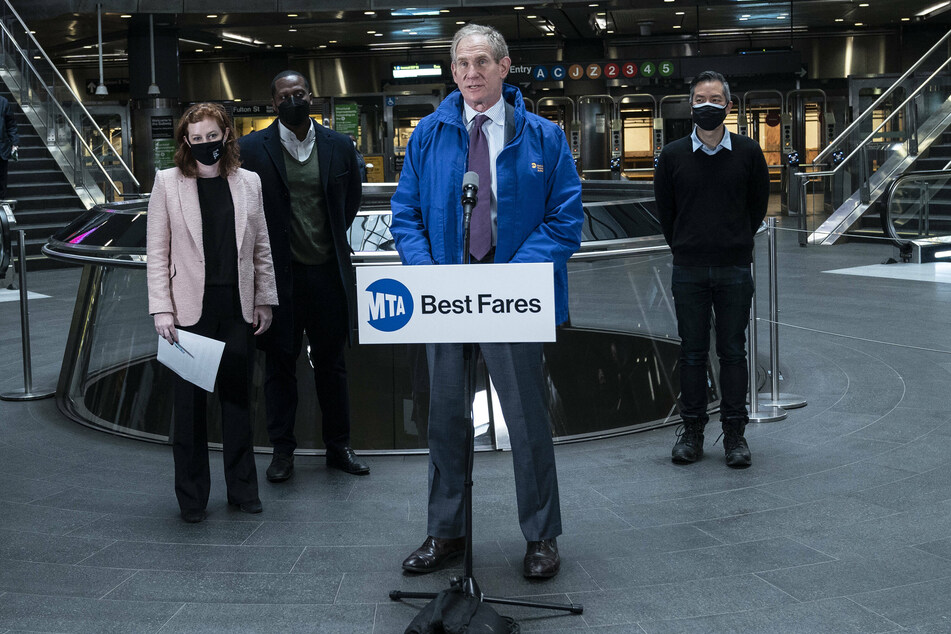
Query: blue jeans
[[726, 292]]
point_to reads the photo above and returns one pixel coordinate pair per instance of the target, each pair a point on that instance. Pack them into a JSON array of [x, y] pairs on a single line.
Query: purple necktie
[[480, 227]]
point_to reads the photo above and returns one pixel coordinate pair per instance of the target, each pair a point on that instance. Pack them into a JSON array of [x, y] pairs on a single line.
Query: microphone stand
[[467, 582]]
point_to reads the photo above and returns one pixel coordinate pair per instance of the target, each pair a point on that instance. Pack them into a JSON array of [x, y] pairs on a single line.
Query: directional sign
[[576, 71], [558, 72], [629, 69], [648, 69], [665, 69], [611, 70], [593, 71], [540, 73]]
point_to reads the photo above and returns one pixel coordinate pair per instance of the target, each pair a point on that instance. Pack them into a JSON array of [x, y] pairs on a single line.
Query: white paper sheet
[[198, 363]]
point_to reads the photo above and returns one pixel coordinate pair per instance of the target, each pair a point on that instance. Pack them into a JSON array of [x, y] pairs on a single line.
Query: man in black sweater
[[712, 189]]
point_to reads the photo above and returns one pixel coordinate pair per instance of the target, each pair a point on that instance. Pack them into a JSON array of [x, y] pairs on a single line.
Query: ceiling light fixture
[[153, 90], [212, 15], [101, 88]]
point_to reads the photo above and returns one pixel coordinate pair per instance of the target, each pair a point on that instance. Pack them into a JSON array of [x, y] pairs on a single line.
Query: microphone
[[470, 187]]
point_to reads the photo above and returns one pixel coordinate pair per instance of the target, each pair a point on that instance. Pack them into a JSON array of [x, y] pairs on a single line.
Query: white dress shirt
[[495, 134], [298, 149], [724, 144]]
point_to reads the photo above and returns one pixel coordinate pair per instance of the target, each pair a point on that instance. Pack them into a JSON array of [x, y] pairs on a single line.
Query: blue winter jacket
[[539, 193]]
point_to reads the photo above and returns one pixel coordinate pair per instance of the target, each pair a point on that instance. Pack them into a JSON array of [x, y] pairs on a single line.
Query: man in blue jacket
[[529, 211]]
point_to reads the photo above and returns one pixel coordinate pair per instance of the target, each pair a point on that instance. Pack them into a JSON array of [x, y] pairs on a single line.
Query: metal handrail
[[53, 100], [66, 85], [888, 226], [914, 67], [897, 110]]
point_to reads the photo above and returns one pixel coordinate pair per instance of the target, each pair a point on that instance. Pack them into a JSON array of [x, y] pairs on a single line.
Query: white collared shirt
[[724, 144], [495, 134], [298, 149]]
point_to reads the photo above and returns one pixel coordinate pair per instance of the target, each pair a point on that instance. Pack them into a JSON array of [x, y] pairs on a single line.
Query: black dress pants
[[320, 310], [220, 319], [4, 170]]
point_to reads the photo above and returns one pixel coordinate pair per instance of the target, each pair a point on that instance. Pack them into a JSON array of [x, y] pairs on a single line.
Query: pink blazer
[[176, 257]]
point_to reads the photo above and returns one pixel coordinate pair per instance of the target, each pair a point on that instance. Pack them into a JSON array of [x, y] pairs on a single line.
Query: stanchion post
[[27, 393], [758, 413], [774, 397]]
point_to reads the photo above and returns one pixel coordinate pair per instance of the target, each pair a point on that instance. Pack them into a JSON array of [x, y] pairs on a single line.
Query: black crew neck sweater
[[710, 206]]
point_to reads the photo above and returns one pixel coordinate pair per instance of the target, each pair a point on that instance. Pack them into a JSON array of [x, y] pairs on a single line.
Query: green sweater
[[311, 239]]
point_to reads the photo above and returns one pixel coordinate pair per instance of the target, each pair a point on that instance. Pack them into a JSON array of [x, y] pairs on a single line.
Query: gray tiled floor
[[843, 524]]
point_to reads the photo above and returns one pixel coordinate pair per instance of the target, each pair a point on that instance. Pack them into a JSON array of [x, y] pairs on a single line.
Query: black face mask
[[293, 111], [208, 153], [709, 116]]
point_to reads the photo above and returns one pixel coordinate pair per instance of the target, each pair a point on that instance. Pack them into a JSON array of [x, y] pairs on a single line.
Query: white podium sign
[[474, 303]]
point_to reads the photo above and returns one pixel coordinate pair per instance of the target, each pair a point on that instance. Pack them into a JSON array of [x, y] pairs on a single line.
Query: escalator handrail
[[888, 228]]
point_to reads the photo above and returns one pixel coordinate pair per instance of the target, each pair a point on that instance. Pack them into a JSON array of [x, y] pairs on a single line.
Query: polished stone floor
[[843, 524]]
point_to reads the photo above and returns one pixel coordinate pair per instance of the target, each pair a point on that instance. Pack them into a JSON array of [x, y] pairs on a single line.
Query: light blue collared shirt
[[724, 144]]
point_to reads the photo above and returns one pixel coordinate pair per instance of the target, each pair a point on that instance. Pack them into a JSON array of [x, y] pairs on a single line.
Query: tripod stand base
[[23, 395], [397, 595], [786, 401]]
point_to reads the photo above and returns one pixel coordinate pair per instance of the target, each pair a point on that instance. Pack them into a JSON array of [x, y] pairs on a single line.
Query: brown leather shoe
[[434, 554], [541, 559]]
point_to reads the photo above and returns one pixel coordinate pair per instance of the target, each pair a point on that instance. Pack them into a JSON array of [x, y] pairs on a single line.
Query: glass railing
[[856, 168], [918, 206], [93, 166]]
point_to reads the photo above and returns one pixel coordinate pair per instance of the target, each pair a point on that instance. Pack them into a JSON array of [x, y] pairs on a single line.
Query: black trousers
[[220, 319], [4, 169], [320, 310]]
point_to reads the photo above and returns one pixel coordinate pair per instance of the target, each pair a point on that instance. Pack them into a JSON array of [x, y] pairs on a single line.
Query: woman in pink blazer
[[210, 273]]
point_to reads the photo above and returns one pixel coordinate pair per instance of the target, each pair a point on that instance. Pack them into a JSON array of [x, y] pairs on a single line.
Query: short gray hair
[[496, 42], [710, 75]]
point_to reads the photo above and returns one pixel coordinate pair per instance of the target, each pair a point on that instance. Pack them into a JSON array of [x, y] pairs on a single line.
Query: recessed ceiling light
[[381, 35], [531, 17], [780, 17], [278, 46], [199, 50], [332, 41], [370, 32], [610, 31], [864, 4], [743, 19], [679, 13], [212, 15], [407, 30], [676, 26], [905, 19], [218, 46], [124, 15], [322, 46], [292, 30], [859, 24], [840, 19], [550, 33], [292, 15], [369, 13], [459, 22], [444, 10], [745, 15], [236, 99], [518, 8], [593, 4]]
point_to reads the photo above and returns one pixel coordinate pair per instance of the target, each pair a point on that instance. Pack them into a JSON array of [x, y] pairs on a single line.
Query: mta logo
[[391, 305]]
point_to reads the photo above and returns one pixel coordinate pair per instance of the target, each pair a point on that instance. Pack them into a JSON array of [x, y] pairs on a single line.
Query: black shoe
[[193, 516], [689, 445], [281, 469], [252, 507], [734, 444], [346, 460], [434, 554], [541, 559]]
